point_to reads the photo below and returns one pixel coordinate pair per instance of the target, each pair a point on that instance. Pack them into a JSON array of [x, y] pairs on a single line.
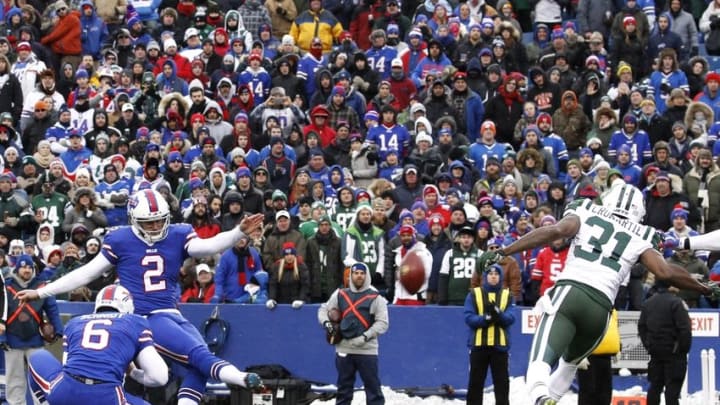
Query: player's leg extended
[[43, 370], [177, 339], [590, 316]]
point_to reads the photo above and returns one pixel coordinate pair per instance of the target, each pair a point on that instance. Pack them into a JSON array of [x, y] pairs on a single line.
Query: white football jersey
[[605, 248]]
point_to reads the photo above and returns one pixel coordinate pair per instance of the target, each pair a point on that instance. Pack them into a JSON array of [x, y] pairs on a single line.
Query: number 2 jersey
[[149, 272], [100, 346], [605, 247]]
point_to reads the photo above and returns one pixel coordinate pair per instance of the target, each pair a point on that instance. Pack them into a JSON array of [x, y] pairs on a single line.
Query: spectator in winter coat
[[665, 331], [661, 200], [702, 186], [64, 39], [282, 14], [325, 275], [203, 288], [315, 22], [595, 15], [289, 279], [684, 25], [235, 271], [505, 109]]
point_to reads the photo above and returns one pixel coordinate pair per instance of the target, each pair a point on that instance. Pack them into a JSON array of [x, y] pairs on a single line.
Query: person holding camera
[[365, 319], [489, 313]]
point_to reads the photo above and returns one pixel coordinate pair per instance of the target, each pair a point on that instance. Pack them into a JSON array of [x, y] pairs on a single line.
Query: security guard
[[489, 313], [664, 329]]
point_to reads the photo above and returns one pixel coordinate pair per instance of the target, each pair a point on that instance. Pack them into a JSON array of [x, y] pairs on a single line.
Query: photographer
[[364, 161], [280, 106]]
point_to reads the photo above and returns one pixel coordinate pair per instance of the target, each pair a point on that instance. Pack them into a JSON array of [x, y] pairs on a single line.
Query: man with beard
[[22, 337], [364, 242], [38, 124], [235, 272], [469, 47], [409, 243], [324, 261], [81, 115], [457, 268], [45, 88]]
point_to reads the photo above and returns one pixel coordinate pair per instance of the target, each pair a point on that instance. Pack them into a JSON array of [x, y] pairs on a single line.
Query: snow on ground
[[518, 396]]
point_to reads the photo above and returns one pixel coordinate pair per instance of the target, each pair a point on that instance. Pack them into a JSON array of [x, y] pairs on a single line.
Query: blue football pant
[[178, 340], [49, 383]]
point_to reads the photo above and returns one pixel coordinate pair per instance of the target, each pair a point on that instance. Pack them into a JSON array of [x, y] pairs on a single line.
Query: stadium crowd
[[363, 129]]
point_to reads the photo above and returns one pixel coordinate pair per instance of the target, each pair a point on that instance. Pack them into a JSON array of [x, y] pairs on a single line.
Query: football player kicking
[[606, 240], [97, 350], [148, 255]]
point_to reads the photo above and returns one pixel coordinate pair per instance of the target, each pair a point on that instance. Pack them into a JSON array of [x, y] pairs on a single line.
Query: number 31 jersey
[[605, 248], [149, 272]]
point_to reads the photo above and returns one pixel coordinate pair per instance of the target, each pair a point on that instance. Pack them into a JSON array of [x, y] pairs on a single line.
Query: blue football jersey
[[100, 346], [149, 272]]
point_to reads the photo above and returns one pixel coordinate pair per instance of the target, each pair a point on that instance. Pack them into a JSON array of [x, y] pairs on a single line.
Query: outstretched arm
[[224, 240], [79, 277], [708, 241], [565, 228], [675, 275]]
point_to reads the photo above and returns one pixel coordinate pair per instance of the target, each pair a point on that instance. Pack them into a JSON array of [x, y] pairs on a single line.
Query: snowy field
[[518, 396]]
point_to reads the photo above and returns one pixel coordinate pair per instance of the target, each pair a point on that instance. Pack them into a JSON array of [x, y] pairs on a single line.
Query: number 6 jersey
[[605, 247], [100, 346]]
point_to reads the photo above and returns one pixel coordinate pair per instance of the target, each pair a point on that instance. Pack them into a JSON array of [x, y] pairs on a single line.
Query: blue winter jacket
[[94, 31], [227, 279]]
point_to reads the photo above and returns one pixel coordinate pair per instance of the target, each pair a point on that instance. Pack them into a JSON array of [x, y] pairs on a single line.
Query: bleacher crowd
[[363, 129]]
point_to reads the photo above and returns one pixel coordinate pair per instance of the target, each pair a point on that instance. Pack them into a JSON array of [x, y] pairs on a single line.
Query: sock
[[186, 401], [561, 379], [538, 374], [231, 375]]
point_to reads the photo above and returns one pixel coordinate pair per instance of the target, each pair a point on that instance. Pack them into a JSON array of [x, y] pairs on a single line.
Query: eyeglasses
[[40, 110], [123, 37], [261, 174], [493, 247]]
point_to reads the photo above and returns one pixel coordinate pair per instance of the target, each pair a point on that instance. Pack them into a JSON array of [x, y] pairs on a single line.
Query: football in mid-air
[[412, 273]]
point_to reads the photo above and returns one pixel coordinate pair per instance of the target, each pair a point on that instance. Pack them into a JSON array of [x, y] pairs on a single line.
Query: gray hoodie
[[379, 311]]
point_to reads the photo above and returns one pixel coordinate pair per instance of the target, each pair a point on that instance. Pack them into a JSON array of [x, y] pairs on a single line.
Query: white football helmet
[[116, 297], [625, 200], [149, 215]]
